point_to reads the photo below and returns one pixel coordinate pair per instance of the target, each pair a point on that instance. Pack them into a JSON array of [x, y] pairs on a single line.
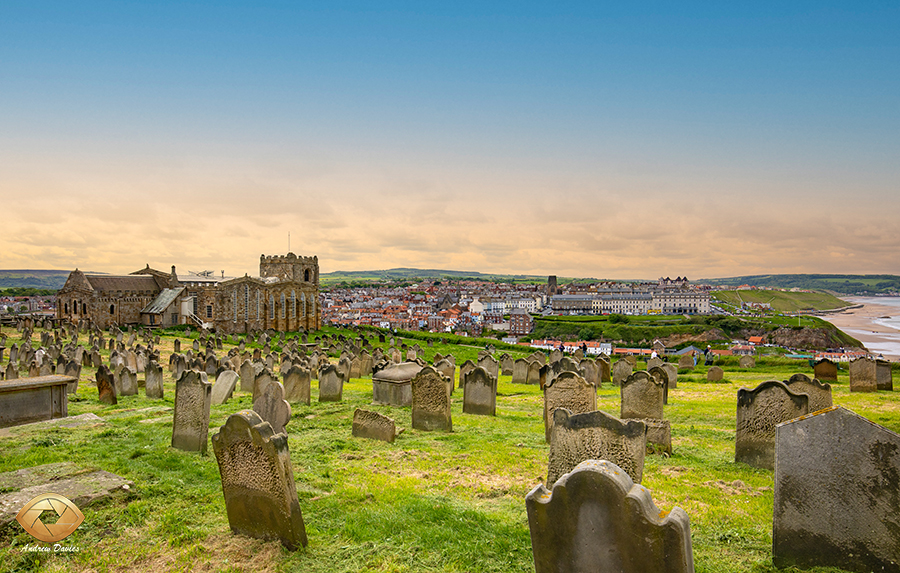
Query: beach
[[876, 324]]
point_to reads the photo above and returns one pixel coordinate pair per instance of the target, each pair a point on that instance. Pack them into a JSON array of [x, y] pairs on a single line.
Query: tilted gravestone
[[480, 393], [758, 412], [106, 386], [837, 493], [863, 377], [372, 425], [430, 401], [224, 386], [331, 384], [621, 370], [595, 436], [297, 385], [191, 422], [153, 380], [569, 391], [747, 362], [597, 519], [825, 370], [819, 394], [273, 408], [714, 374], [257, 480]]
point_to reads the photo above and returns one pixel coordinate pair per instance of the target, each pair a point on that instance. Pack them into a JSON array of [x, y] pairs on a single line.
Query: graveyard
[[445, 495]]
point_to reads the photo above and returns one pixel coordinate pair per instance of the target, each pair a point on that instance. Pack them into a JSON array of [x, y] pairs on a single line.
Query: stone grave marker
[[825, 370], [863, 377], [127, 379], [153, 380], [491, 364], [447, 369], [106, 386], [248, 376], [480, 393], [72, 369], [223, 387], [591, 372], [430, 401], [883, 378], [257, 480], [597, 519], [273, 408], [331, 384], [714, 374], [837, 496], [747, 362], [687, 361], [191, 421], [642, 396], [297, 385], [621, 370], [819, 394], [758, 412], [569, 391], [672, 371], [466, 367], [520, 371], [537, 374], [372, 425]]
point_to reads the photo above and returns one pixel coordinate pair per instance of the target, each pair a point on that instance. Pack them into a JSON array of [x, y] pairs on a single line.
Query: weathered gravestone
[[642, 396], [714, 374], [466, 367], [430, 401], [372, 425], [248, 376], [297, 385], [224, 386], [520, 371], [819, 394], [883, 378], [447, 369], [591, 372], [863, 377], [672, 371], [631, 359], [491, 364], [569, 391], [536, 373], [331, 384], [758, 412], [654, 362], [343, 368], [597, 519], [257, 480], [72, 369], [506, 364], [595, 436], [837, 493], [686, 361], [825, 370], [153, 380], [264, 378], [480, 393], [605, 371], [273, 408], [127, 381], [621, 370], [747, 362], [393, 385], [12, 372], [191, 422], [106, 386]]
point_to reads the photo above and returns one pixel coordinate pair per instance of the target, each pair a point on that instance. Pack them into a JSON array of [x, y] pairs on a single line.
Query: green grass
[[429, 502], [781, 301]]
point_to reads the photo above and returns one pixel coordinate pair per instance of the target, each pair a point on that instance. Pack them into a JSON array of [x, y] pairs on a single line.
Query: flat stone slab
[[70, 422], [82, 487]]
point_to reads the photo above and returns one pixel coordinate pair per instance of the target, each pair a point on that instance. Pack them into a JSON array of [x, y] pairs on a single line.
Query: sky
[[588, 139]]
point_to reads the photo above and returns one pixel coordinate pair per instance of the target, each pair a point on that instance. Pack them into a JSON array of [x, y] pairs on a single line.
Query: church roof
[[145, 283], [162, 301]]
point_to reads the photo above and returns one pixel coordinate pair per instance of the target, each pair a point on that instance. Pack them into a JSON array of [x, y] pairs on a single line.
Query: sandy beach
[[863, 324]]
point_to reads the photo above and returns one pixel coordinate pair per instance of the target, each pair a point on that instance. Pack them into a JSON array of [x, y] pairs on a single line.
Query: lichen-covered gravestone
[[153, 380], [819, 394], [621, 370], [569, 391], [520, 371], [263, 378], [837, 493], [273, 408], [883, 377], [372, 425], [192, 401], [297, 385], [597, 519], [758, 412], [466, 367], [480, 393], [642, 396], [331, 384], [863, 377], [825, 370], [430, 401], [106, 386], [714, 374], [595, 436], [257, 480]]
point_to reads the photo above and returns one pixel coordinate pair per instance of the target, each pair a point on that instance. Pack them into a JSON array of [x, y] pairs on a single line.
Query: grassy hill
[[781, 301], [40, 279], [411, 274], [838, 284]]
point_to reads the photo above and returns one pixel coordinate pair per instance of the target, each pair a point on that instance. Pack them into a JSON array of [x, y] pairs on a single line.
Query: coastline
[[859, 322]]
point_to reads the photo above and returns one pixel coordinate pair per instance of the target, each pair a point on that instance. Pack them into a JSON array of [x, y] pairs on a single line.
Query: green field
[[429, 502], [839, 284], [781, 301]]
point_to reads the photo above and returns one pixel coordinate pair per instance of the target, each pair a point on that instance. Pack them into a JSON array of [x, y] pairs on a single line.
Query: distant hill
[[408, 274], [41, 279], [838, 284]]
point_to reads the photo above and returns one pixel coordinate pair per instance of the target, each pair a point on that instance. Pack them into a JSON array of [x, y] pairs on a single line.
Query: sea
[[888, 343]]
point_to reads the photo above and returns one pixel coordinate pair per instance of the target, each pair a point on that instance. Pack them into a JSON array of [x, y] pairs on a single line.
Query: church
[[284, 297]]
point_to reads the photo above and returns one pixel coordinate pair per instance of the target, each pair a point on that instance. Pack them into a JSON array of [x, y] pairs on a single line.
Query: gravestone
[[106, 386], [747, 362], [631, 359], [72, 369], [596, 520], [758, 412], [819, 394], [446, 368], [153, 381], [297, 385], [343, 368], [591, 372], [642, 396], [263, 379], [536, 373], [863, 376], [595, 436], [127, 379], [687, 361], [466, 367], [273, 408], [672, 371], [491, 364], [621, 370], [654, 362], [837, 493], [430, 401], [372, 425], [520, 371], [480, 393], [223, 388], [883, 378], [331, 384], [257, 480], [248, 376], [715, 374], [392, 386], [506, 364], [825, 370], [191, 422], [569, 391]]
